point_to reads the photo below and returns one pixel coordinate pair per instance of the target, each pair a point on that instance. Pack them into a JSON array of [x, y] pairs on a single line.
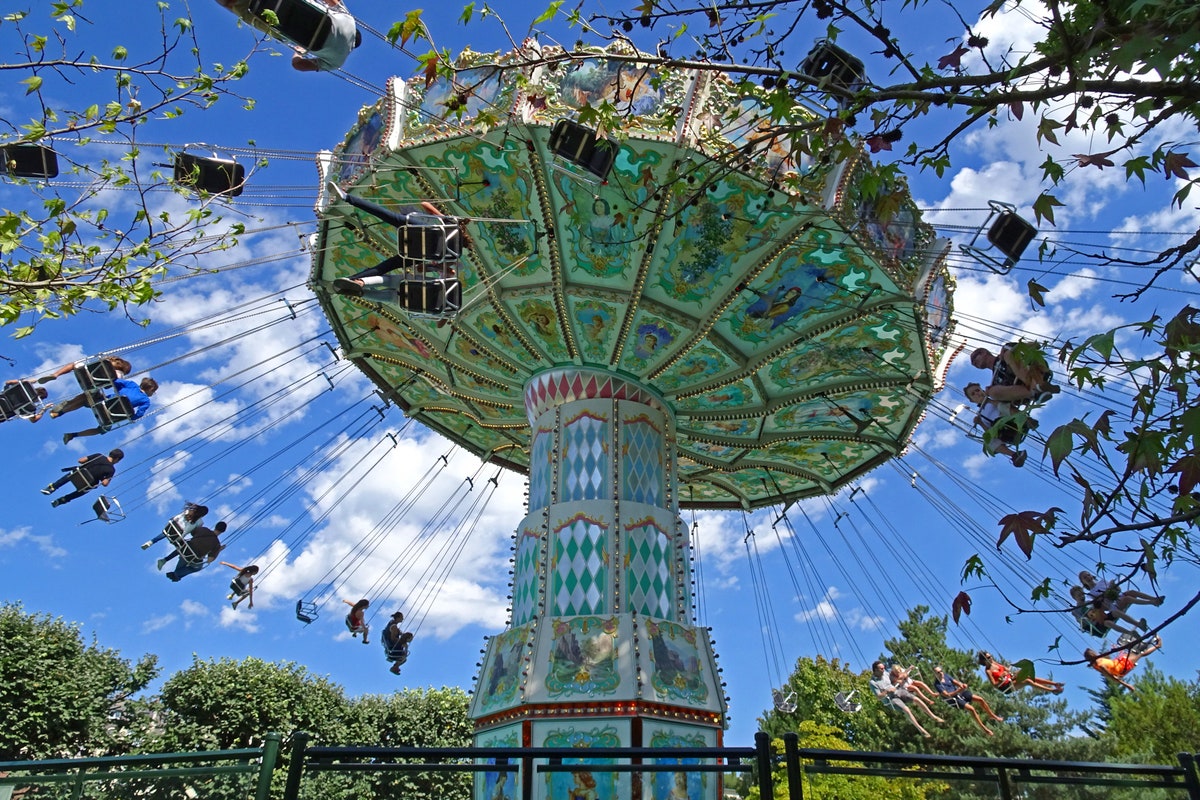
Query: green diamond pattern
[[525, 580], [648, 577], [539, 470], [580, 576], [585, 465], [642, 472]]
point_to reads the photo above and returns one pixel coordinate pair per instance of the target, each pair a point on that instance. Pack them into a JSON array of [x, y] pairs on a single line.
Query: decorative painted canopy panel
[[794, 326]]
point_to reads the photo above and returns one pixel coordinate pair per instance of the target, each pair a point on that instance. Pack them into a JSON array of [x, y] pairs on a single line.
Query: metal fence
[[301, 771]]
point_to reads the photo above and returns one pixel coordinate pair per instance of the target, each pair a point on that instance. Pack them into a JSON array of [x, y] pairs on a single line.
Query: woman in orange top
[[1003, 676], [1122, 664]]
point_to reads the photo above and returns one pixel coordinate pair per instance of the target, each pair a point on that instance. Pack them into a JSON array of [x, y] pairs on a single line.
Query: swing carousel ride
[[673, 312]]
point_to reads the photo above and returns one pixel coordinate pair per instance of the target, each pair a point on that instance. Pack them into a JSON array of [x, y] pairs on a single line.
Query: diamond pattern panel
[[648, 570], [540, 455], [580, 568], [584, 467], [526, 576], [641, 461]]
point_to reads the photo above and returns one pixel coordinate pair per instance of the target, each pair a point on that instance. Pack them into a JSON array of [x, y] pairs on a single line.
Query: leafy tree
[[62, 697], [224, 703], [815, 682], [63, 252], [1155, 724], [415, 718]]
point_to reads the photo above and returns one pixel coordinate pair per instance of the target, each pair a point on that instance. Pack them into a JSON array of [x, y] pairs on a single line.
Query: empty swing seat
[[436, 296], [427, 238], [1007, 234], [95, 376], [18, 399], [834, 68], [300, 22], [108, 509], [212, 175], [306, 612], [582, 146], [28, 161]]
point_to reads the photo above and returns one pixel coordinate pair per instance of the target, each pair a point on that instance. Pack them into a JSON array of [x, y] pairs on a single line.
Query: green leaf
[[1043, 207], [549, 13], [32, 84]]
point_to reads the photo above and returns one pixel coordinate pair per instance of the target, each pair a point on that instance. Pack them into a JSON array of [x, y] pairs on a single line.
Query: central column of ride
[[601, 649]]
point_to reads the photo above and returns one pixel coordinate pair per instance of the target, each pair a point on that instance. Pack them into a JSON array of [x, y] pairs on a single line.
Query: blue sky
[[259, 421]]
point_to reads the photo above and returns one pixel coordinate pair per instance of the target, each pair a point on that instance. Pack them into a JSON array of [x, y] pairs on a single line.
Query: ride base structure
[[679, 311]]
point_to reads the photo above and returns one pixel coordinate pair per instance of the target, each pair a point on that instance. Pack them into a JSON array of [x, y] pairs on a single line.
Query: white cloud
[[158, 623], [44, 544]]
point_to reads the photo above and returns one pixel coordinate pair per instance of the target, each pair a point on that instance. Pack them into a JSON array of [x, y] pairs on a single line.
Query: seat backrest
[[95, 375], [212, 175], [18, 398], [581, 145], [82, 480], [1010, 234], [422, 242], [28, 161], [300, 22]]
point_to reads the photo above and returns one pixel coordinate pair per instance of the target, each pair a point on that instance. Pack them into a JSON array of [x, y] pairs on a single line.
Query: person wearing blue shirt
[[138, 395]]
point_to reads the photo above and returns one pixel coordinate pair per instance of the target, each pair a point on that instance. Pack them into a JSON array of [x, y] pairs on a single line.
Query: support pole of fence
[[270, 759], [791, 750], [1190, 777], [762, 747], [1003, 782], [291, 789]]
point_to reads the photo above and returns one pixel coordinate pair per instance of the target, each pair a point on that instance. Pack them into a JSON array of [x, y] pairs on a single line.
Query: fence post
[[1003, 782], [270, 759], [762, 747], [791, 749], [291, 790], [1190, 779]]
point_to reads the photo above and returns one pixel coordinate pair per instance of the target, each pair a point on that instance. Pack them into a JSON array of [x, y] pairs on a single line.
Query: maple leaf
[[1188, 469], [1023, 526], [961, 605], [1100, 160], [430, 63], [877, 143], [953, 59], [1175, 163]]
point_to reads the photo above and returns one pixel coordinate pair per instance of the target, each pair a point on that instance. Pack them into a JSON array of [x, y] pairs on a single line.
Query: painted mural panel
[[681, 785], [585, 784], [502, 674], [498, 785], [677, 663], [583, 657]]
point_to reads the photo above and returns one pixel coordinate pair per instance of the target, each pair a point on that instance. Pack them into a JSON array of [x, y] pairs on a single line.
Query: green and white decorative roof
[[794, 328]]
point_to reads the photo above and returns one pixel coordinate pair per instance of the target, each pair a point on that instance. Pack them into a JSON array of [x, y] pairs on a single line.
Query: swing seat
[[18, 399], [95, 376], [110, 411], [429, 239], [302, 23], [845, 702], [28, 161], [210, 175], [82, 481], [174, 534], [1007, 235], [785, 704], [306, 612], [435, 297], [582, 146], [831, 67], [108, 509]]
